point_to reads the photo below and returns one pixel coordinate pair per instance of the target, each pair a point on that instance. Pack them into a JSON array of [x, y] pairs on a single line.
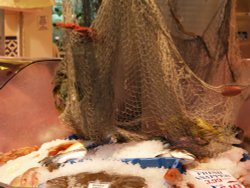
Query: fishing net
[[144, 76], [204, 33]]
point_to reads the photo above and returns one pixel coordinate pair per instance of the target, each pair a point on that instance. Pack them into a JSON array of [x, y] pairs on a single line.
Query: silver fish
[[186, 157], [64, 157]]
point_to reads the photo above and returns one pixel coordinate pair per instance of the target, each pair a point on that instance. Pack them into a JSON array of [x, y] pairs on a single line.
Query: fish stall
[[149, 94]]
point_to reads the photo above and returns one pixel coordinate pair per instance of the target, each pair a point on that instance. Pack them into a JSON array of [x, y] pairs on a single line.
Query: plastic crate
[[245, 157], [161, 162]]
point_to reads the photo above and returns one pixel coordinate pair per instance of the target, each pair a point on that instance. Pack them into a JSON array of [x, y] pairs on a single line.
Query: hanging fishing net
[[204, 33], [142, 77]]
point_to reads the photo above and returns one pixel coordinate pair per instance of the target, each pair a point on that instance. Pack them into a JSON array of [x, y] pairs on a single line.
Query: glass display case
[[28, 114]]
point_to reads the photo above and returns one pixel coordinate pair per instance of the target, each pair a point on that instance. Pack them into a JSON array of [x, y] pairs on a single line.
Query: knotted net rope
[[133, 83]]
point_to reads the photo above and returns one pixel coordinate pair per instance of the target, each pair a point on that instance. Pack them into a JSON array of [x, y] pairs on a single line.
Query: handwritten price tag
[[215, 179], [98, 185]]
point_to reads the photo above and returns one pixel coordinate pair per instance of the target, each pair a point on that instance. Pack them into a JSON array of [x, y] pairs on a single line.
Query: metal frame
[[2, 34]]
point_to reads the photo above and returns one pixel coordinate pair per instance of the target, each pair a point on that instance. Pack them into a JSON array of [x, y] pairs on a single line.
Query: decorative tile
[[11, 46], [242, 35]]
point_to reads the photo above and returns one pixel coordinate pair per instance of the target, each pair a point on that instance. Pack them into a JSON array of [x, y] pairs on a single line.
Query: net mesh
[[133, 83], [212, 46]]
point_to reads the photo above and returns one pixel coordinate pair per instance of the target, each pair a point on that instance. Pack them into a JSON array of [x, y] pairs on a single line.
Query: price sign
[[215, 179], [98, 185]]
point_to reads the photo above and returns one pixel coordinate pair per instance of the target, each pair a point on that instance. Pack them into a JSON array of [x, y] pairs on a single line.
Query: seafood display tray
[[156, 162], [159, 162]]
